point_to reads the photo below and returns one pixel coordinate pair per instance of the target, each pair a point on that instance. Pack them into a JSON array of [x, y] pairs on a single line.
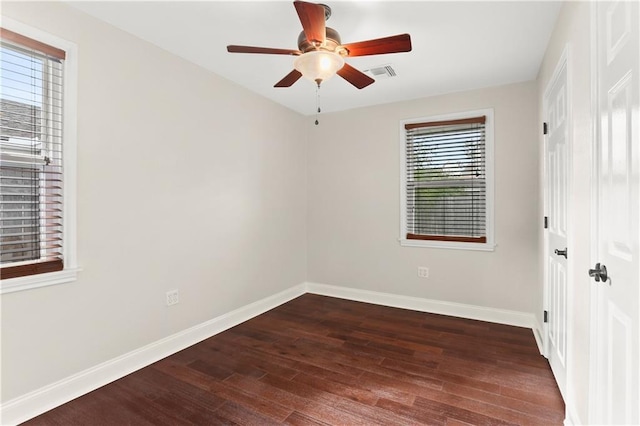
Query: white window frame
[[69, 164], [489, 178]]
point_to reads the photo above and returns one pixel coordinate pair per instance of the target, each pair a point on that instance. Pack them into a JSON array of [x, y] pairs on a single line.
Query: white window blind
[[31, 143], [446, 186]]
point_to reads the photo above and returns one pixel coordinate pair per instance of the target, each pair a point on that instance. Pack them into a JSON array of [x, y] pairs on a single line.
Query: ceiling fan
[[321, 53]]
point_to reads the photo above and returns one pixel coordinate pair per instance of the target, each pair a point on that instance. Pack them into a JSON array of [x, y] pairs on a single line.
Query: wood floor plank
[[153, 379], [465, 409], [355, 393], [220, 389], [433, 371], [526, 407], [240, 415], [316, 404], [313, 409], [390, 393], [299, 419], [319, 360], [252, 363], [413, 413], [459, 413]]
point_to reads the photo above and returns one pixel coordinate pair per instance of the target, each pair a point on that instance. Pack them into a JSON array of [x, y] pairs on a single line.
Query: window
[[34, 239], [447, 181]]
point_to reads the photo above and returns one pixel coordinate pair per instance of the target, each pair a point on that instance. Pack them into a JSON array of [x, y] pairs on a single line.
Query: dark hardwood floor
[[321, 360]]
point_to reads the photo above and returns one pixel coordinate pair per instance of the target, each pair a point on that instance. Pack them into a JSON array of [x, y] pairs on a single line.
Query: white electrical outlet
[[172, 297], [423, 272]]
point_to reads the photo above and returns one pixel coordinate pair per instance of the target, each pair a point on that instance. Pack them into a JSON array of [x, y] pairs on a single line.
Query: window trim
[[69, 164], [489, 245]]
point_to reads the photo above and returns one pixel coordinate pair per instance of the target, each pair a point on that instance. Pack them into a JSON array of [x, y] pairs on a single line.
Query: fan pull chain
[[317, 103]]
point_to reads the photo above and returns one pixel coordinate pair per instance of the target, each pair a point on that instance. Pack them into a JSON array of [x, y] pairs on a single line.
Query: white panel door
[[556, 117], [616, 396]]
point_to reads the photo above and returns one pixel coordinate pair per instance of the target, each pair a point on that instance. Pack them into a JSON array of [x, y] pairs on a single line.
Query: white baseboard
[[44, 399], [570, 416], [501, 316], [538, 333]]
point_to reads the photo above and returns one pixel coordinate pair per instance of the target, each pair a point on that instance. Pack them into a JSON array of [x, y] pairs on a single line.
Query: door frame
[[564, 62]]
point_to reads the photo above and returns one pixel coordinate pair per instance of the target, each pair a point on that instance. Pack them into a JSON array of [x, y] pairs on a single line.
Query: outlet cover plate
[[423, 272], [172, 297]]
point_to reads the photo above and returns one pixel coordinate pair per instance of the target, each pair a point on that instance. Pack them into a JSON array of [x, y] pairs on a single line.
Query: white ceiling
[[456, 45]]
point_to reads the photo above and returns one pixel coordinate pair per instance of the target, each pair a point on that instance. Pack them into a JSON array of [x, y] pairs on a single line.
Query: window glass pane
[[20, 214], [22, 76], [446, 181]]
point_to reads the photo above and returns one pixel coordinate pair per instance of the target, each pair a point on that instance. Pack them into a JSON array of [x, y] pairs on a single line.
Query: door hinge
[[546, 222], [546, 316], [545, 128]]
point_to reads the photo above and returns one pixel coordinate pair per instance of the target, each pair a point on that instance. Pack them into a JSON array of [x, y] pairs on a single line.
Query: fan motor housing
[[332, 42]]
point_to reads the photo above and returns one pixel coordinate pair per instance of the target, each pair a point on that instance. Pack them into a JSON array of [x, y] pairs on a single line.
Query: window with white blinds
[[31, 145], [445, 180]]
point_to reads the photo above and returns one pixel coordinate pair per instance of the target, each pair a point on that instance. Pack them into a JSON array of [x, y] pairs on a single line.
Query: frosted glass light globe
[[318, 65]]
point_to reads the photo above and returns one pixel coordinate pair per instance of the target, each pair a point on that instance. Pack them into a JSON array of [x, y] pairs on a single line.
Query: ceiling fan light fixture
[[318, 65]]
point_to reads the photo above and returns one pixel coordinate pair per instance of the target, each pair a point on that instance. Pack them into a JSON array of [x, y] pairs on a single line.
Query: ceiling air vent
[[383, 71]]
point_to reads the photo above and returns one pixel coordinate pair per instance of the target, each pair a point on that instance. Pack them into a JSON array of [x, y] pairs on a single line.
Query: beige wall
[[354, 205], [185, 180], [573, 31]]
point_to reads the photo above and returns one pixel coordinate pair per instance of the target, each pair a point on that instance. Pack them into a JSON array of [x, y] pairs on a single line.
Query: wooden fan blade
[[289, 79], [266, 50], [393, 44], [355, 77], [312, 19]]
